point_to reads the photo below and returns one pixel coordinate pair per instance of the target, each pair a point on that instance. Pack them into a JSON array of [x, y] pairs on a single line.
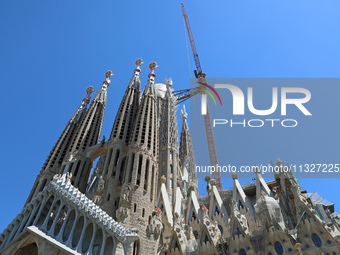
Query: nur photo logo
[[281, 97]]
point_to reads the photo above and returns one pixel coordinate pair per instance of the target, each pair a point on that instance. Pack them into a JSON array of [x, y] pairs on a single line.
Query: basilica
[[142, 196]]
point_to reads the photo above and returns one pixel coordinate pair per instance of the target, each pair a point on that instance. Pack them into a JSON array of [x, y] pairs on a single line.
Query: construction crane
[[187, 93]]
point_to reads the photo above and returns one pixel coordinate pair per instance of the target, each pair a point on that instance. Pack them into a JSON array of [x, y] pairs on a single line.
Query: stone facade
[[143, 196]]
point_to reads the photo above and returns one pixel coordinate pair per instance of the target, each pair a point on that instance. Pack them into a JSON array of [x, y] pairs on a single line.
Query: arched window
[[122, 166], [108, 249], [108, 161], [117, 157], [152, 182], [97, 243], [87, 238], [139, 169], [146, 177], [131, 167], [77, 231], [68, 226]]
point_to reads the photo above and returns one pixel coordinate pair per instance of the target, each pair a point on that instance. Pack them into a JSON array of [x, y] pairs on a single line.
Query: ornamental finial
[[138, 63], [108, 74], [168, 82], [152, 66], [184, 114], [87, 99]]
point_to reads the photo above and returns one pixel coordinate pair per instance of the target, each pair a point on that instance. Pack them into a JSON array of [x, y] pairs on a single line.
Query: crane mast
[[200, 75]]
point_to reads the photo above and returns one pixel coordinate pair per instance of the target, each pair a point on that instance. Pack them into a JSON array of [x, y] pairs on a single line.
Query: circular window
[[242, 252], [278, 248], [316, 240]]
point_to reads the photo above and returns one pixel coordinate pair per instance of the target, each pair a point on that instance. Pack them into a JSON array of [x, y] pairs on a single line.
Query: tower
[[168, 143], [115, 159], [87, 135], [53, 163], [82, 131], [186, 152], [143, 196], [139, 191]]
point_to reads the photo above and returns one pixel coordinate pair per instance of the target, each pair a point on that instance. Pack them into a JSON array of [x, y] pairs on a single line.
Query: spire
[[53, 164], [82, 108], [169, 160], [138, 161], [117, 160], [135, 82], [128, 107], [102, 93], [86, 135], [145, 127], [186, 154]]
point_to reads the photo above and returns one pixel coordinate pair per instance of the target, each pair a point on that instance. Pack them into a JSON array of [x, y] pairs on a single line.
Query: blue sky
[[51, 51]]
